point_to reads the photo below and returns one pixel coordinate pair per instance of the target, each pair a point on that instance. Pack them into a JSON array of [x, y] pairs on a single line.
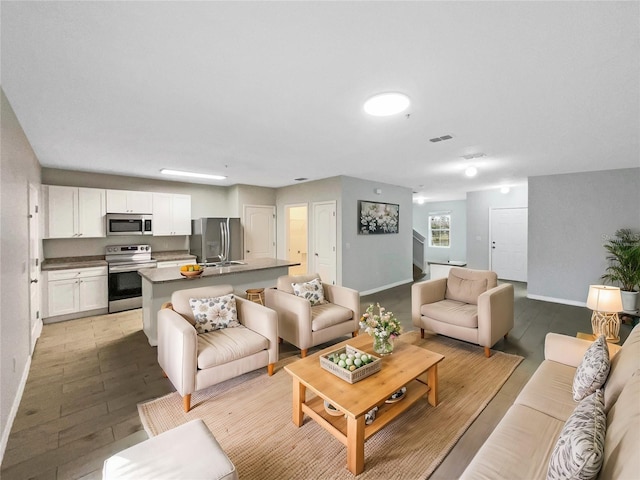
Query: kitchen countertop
[[172, 274], [68, 263], [172, 255]]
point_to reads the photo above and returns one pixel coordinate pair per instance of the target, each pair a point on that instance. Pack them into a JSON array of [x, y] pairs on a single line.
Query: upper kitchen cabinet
[[129, 201], [72, 212], [171, 214]]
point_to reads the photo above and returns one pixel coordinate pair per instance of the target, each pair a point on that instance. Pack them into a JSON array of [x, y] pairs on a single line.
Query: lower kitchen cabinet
[[73, 291]]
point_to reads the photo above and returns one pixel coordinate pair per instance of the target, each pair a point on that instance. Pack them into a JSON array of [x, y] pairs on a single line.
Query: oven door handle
[[130, 268]]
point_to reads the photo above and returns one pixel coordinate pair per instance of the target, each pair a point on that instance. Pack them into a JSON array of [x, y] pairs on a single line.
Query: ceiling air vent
[[471, 156], [301, 179], [440, 139]]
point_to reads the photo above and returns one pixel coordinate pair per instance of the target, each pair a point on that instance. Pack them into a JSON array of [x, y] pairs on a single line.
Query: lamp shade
[[604, 299]]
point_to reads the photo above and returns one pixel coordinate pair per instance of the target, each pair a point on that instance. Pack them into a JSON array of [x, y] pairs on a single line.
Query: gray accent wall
[[457, 250], [478, 206], [18, 168], [372, 263], [570, 218]]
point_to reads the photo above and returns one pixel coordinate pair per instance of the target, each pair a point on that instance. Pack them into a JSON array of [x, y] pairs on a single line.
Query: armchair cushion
[[214, 313], [466, 290], [452, 312], [285, 282], [311, 291], [225, 345], [327, 315]]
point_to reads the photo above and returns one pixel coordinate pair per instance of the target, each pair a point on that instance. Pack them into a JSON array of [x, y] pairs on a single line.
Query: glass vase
[[383, 345]]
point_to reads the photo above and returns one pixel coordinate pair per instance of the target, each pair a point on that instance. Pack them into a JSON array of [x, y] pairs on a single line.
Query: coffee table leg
[[299, 394], [355, 444], [432, 381]]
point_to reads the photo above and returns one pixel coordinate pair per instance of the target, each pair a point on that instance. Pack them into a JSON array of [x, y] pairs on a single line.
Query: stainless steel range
[[125, 285]]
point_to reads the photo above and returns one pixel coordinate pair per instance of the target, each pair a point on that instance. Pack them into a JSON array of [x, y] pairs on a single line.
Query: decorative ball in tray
[[191, 271], [350, 364]]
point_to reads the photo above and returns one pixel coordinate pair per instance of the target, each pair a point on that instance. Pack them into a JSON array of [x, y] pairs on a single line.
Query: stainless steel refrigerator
[[216, 240]]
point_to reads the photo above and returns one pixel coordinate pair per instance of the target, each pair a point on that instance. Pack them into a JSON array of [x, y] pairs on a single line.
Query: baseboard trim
[[557, 300], [36, 331], [385, 287], [14, 409]]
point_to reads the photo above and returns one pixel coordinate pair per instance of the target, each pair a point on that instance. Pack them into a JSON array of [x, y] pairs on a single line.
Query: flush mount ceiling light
[[386, 104], [471, 171], [179, 173]]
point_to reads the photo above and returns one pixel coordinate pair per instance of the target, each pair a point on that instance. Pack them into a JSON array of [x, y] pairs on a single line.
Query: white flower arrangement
[[382, 324]]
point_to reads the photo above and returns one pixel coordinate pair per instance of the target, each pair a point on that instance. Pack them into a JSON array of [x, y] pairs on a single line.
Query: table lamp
[[605, 302]]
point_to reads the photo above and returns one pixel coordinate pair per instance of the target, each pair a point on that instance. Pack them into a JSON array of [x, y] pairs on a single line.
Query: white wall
[[372, 263], [478, 206], [570, 218], [458, 211], [19, 167]]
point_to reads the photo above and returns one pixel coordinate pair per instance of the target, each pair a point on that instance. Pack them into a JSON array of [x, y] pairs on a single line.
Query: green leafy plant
[[624, 260]]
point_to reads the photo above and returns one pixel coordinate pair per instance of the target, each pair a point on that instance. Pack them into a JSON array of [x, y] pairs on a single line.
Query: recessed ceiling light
[[179, 173], [386, 104], [471, 171], [505, 189]]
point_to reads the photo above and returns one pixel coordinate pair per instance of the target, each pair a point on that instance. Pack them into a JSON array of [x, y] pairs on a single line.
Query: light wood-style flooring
[[87, 376]]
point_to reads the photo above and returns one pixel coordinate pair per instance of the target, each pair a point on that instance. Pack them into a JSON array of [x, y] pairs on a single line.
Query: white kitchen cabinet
[[72, 212], [171, 214], [129, 201], [75, 290]]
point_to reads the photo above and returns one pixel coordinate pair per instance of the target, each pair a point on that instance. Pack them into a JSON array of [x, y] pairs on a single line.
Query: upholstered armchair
[[304, 325], [193, 361], [468, 305]]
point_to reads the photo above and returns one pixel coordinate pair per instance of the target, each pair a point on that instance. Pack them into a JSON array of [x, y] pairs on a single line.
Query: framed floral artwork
[[377, 217]]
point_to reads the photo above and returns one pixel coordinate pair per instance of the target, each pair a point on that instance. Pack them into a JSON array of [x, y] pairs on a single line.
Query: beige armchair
[[305, 326], [468, 305], [194, 361]]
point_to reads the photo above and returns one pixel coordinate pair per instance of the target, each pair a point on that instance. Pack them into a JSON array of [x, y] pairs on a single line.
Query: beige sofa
[[521, 445], [468, 305], [305, 326], [195, 361]]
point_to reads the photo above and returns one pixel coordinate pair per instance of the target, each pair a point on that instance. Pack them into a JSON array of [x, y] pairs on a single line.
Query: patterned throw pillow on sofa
[[593, 369], [579, 451], [311, 291], [214, 313]]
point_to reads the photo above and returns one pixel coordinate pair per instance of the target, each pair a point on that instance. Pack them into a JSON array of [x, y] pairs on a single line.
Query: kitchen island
[[159, 283]]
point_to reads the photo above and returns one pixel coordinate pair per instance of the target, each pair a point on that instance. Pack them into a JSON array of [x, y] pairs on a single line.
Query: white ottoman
[[189, 451]]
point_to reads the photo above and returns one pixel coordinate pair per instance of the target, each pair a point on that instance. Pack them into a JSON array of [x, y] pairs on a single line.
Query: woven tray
[[347, 375]]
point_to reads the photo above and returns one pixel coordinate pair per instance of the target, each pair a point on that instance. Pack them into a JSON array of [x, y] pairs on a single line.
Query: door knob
[[34, 280], [248, 251], [494, 247]]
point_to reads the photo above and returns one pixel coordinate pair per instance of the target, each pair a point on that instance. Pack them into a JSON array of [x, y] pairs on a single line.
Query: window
[[439, 230]]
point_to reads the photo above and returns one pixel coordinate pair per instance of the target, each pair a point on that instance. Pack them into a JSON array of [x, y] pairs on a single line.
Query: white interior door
[[34, 266], [324, 241], [509, 243], [259, 231], [297, 237]]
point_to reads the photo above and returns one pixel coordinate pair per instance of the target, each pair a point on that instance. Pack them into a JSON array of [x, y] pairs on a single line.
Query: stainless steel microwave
[[128, 224]]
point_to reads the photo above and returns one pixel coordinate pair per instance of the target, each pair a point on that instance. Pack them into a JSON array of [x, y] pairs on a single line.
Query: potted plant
[[624, 265]]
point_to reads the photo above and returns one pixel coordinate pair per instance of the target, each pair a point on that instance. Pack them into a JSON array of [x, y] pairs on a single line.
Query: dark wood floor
[[88, 375]]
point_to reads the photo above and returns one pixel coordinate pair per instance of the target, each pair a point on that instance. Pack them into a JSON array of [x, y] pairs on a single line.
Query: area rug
[[250, 416]]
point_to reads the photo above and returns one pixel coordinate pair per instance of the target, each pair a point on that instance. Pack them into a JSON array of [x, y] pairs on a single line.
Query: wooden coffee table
[[410, 366]]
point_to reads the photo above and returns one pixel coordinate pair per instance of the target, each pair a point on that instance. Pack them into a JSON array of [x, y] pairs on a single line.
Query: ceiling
[[267, 92]]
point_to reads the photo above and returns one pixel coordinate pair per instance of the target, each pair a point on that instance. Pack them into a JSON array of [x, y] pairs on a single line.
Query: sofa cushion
[[284, 283], [452, 312], [621, 459], [223, 346], [549, 390], [518, 448], [465, 290], [327, 315], [593, 369], [214, 313], [579, 451], [311, 291], [623, 365]]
